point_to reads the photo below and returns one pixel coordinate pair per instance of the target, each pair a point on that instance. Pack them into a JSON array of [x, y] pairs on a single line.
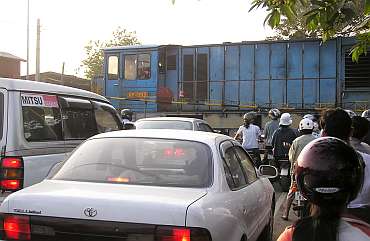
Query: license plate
[[298, 196], [284, 172]]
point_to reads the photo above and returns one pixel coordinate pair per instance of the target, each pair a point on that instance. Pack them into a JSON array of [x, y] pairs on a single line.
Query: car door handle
[[115, 84]]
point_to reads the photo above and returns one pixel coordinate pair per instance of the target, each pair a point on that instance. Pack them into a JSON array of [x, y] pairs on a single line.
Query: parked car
[[178, 123], [40, 123], [147, 185]]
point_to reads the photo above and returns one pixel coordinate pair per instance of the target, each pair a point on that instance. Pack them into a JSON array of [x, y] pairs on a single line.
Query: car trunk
[[62, 210]]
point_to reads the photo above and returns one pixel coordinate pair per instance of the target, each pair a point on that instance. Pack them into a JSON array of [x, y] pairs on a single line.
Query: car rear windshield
[[142, 161], [164, 124]]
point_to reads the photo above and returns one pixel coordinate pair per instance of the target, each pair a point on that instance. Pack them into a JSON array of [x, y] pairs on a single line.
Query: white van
[[41, 123]]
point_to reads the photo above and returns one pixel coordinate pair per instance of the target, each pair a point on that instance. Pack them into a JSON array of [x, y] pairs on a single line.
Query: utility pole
[[37, 77], [28, 37], [62, 76]]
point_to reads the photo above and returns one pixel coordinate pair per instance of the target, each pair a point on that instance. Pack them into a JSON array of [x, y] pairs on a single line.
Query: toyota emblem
[[90, 212]]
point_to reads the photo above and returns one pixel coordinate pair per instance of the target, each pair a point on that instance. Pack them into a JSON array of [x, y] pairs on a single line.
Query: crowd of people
[[330, 166]]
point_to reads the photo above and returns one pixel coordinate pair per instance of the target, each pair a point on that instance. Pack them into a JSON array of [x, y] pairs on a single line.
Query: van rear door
[[3, 118]]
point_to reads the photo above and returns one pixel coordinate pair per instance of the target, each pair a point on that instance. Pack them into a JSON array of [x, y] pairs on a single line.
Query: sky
[[68, 25]]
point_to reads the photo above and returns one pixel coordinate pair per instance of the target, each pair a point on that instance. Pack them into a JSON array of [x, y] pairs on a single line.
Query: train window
[[113, 67], [143, 66], [202, 77], [188, 77], [130, 67], [171, 62]]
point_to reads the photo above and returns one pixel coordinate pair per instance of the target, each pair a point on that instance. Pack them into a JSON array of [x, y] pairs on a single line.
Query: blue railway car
[[301, 76]]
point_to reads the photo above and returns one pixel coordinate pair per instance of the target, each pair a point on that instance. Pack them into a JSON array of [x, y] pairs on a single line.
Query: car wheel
[[267, 232]]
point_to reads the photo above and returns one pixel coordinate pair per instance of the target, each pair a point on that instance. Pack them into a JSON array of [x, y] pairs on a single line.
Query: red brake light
[[12, 162], [17, 227], [181, 234], [10, 184]]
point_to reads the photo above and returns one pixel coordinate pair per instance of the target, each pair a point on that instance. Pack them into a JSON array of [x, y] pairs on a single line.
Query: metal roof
[[34, 86], [10, 56]]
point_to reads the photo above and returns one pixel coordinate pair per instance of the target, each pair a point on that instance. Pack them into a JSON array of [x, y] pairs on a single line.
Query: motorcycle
[[300, 205], [284, 174]]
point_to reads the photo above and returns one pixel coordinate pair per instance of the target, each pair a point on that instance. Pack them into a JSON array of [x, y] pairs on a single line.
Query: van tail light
[[168, 233], [16, 227], [11, 173]]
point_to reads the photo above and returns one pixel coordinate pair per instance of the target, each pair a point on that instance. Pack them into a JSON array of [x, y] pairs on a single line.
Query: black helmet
[[329, 171], [274, 113], [127, 114]]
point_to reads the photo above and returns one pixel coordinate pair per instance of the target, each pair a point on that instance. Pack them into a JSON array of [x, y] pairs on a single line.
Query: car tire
[[267, 232]]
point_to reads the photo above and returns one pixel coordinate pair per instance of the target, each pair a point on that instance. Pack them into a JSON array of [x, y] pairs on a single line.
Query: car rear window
[[142, 161], [164, 124]]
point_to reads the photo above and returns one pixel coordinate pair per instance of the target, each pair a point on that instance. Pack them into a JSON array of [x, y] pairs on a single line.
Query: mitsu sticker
[[39, 100]]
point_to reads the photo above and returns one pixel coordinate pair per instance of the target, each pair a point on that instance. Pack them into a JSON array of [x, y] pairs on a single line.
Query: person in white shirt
[[250, 135]]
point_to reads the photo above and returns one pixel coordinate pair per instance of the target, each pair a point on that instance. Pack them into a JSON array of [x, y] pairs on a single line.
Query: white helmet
[[351, 113], [274, 113], [309, 116], [306, 124], [366, 114], [285, 119]]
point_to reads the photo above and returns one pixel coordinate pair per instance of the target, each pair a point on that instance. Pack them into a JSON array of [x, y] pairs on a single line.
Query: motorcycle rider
[[250, 135], [306, 127], [329, 175], [268, 132], [360, 129], [366, 114], [337, 123], [126, 115], [283, 137]]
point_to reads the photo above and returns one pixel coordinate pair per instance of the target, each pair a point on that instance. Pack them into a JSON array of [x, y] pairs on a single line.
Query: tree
[[330, 18], [93, 63], [294, 29]]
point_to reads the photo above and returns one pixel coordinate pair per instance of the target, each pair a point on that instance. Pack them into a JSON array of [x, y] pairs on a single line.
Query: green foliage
[[326, 18], [93, 63]]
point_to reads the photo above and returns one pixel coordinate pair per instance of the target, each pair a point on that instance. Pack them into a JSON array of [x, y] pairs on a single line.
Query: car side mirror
[[267, 171]]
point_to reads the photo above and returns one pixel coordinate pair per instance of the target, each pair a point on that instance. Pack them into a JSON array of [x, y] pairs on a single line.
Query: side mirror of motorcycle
[[267, 171]]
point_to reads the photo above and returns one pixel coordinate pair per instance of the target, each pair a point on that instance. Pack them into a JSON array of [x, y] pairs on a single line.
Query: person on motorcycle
[[283, 137], [268, 132], [316, 130], [360, 129], [337, 123], [366, 114], [250, 135], [306, 127], [126, 115], [329, 175]]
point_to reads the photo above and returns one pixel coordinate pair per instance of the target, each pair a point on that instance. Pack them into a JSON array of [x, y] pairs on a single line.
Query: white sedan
[[147, 185]]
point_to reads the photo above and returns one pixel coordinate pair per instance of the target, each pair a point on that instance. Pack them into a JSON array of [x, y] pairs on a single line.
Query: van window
[[1, 115], [41, 117], [106, 117], [78, 118]]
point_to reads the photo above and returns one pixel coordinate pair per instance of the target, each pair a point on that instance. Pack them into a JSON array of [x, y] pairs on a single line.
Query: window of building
[[106, 118], [143, 66], [246, 164], [202, 77], [130, 67], [137, 66], [78, 118], [235, 169], [188, 76], [357, 75], [113, 67]]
